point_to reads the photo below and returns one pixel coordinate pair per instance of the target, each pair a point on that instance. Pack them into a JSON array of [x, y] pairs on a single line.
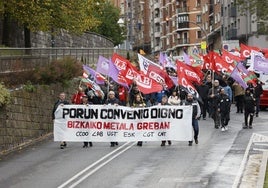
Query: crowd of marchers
[[216, 95]]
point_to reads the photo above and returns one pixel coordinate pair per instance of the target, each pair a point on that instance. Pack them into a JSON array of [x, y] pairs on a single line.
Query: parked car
[[264, 97]]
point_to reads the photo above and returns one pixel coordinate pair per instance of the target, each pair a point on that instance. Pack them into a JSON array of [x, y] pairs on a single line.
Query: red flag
[[223, 66], [246, 50], [155, 71], [230, 58], [130, 74], [190, 72], [185, 83]]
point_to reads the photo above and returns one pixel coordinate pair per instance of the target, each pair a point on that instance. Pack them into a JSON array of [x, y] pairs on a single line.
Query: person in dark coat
[[61, 101], [258, 90], [224, 107], [213, 103], [249, 108], [195, 116], [203, 91]]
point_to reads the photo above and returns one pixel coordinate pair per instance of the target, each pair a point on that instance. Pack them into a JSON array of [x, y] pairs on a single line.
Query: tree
[[75, 16], [260, 7], [109, 16]]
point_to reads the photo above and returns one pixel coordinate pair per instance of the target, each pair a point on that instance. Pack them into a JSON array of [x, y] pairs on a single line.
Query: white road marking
[[79, 180]]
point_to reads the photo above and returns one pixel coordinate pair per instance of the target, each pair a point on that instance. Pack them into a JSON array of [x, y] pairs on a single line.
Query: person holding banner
[[61, 101], [138, 103], [195, 116], [86, 102], [112, 100], [165, 102], [174, 98]]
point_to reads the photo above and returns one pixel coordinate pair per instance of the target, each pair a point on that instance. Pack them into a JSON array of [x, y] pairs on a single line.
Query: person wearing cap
[[86, 102], [112, 100], [249, 108]]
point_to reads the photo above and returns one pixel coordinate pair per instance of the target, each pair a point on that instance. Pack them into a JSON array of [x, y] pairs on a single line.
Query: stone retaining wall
[[29, 116]]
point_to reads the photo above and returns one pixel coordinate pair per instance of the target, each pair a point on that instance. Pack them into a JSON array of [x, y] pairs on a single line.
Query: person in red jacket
[[122, 95], [77, 97]]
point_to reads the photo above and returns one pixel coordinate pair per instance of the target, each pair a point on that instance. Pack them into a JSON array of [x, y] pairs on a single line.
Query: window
[[199, 34], [198, 19], [198, 3]]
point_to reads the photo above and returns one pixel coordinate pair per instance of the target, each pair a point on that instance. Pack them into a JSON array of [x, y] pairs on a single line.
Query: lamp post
[[204, 32]]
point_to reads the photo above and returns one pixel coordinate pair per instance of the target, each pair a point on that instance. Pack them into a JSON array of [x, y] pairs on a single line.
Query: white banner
[[105, 123]]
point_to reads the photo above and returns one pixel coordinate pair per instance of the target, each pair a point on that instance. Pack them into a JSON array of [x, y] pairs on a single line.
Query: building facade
[[174, 26]]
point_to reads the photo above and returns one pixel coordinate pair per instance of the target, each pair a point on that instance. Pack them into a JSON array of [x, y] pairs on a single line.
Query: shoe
[[257, 115], [116, 143], [250, 127], [190, 143], [64, 144], [216, 127], [112, 144], [204, 118], [85, 146], [169, 142], [61, 147], [226, 128], [196, 141], [245, 127], [222, 129], [90, 144], [162, 144], [139, 143]]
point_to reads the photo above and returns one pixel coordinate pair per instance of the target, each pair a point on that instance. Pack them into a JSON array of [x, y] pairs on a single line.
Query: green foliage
[[109, 16], [5, 97], [29, 87], [52, 15], [58, 71], [259, 7]]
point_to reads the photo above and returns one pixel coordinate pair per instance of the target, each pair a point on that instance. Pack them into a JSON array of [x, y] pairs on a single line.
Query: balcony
[[183, 25]]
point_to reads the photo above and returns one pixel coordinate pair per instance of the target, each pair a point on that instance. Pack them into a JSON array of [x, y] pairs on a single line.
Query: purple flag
[[175, 80], [95, 75], [186, 59], [260, 64], [103, 65], [165, 61], [237, 76]]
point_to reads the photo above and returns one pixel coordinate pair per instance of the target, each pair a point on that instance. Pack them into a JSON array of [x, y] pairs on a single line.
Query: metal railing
[[30, 57]]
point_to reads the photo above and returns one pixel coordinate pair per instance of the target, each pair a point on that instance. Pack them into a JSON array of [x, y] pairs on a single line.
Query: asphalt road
[[214, 162]]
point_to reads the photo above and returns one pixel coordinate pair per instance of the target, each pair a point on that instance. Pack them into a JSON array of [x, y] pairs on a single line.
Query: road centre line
[[94, 164]]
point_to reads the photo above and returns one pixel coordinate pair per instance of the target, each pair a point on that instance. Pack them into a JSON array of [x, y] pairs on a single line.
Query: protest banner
[[106, 123]]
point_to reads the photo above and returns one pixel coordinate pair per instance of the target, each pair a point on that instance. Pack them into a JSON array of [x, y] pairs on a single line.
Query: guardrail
[[31, 57]]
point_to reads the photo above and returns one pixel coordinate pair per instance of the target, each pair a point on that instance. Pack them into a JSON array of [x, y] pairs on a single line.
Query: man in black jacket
[[61, 101], [224, 106]]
